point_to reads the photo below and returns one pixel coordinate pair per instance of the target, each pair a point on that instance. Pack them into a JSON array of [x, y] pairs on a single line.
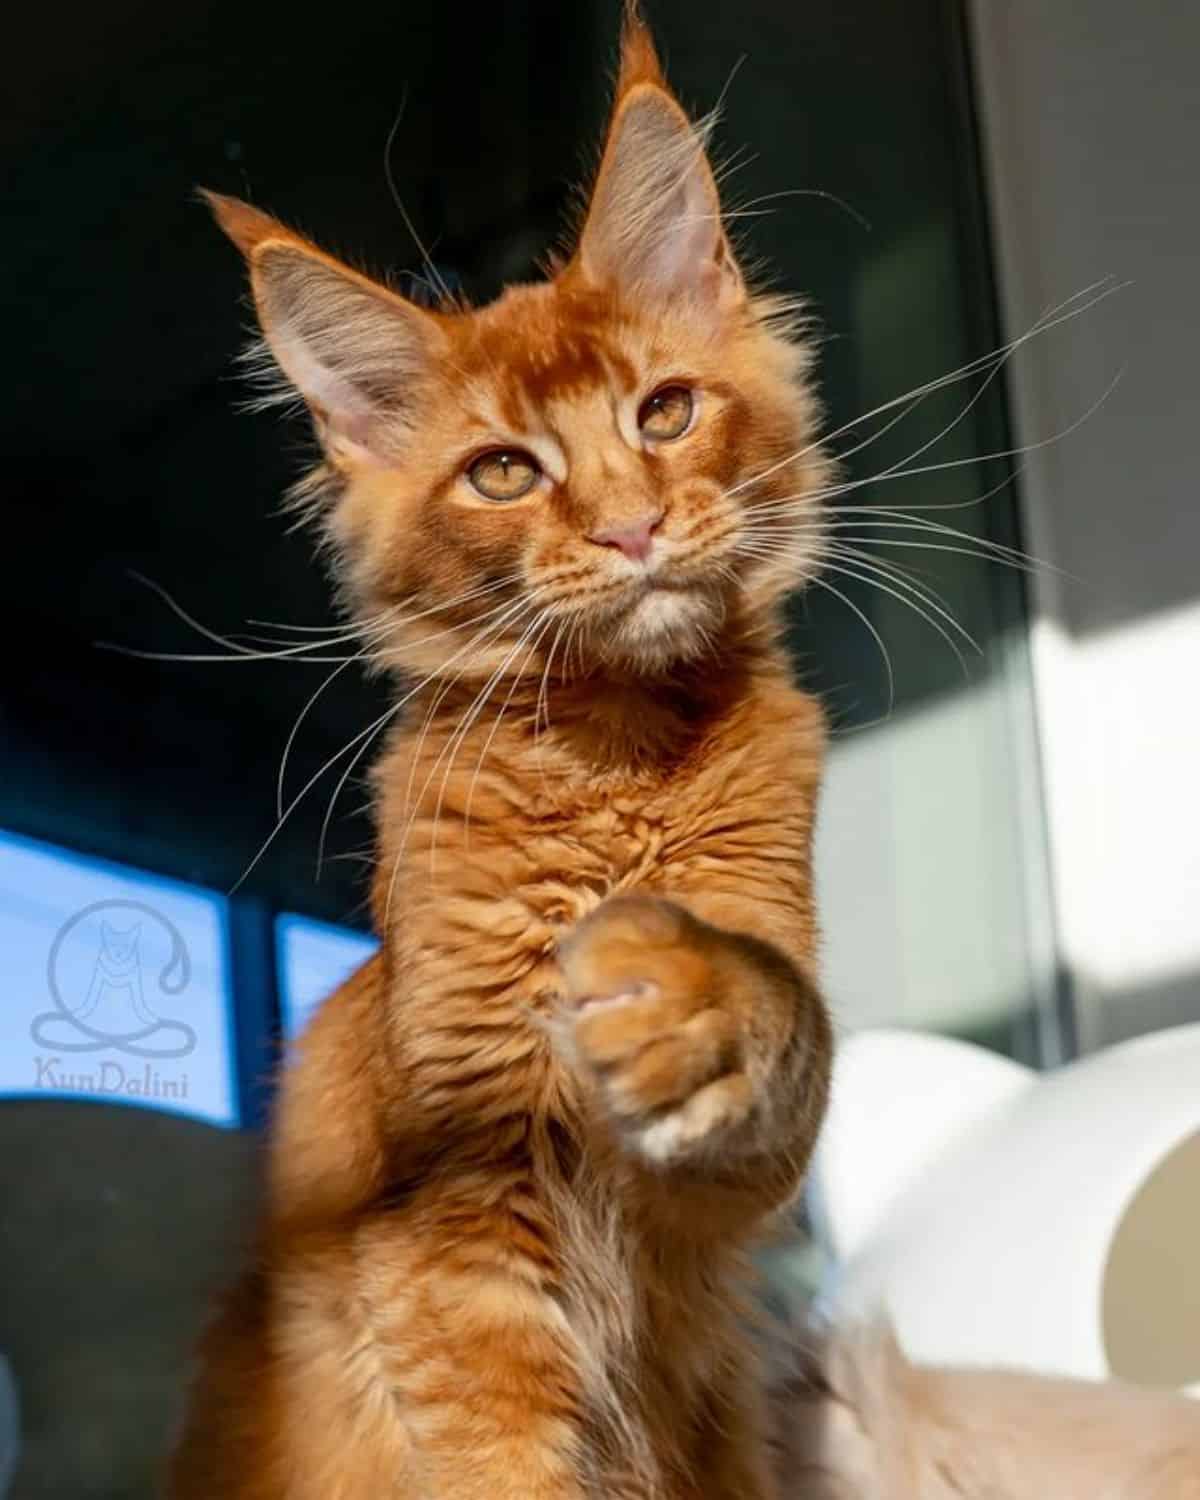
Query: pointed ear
[[358, 354], [653, 226]]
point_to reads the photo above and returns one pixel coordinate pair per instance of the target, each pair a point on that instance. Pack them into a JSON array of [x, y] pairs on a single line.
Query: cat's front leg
[[707, 1049]]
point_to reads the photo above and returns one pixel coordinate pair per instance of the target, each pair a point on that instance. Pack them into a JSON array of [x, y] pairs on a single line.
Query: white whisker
[[457, 738], [521, 607], [363, 734], [1102, 290], [992, 554], [434, 274], [295, 730], [824, 583], [889, 476], [870, 573], [349, 770], [237, 652], [307, 787], [487, 745]]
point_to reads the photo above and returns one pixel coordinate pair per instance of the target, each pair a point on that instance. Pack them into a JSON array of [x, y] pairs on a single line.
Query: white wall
[[920, 859], [1091, 118]]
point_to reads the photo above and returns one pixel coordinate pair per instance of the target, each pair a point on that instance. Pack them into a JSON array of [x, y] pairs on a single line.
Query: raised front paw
[[654, 1020]]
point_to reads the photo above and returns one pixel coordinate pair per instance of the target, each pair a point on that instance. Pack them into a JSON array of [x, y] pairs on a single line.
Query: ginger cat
[[518, 1161]]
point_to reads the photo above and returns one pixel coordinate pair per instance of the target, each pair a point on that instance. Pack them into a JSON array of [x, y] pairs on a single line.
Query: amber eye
[[667, 414], [505, 474]]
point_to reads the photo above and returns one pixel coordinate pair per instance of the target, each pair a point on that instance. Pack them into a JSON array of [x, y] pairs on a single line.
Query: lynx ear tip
[[245, 225], [639, 57]]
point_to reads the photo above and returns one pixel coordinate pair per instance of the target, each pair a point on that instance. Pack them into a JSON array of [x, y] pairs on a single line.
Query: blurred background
[[1009, 845]]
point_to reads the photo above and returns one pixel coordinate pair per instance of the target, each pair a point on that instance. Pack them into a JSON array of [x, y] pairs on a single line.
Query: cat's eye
[[504, 474], [667, 414]]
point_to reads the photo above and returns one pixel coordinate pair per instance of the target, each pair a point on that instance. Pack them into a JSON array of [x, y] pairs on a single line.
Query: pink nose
[[633, 538]]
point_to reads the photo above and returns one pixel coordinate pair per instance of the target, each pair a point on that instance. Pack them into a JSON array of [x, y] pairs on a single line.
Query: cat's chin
[[663, 628]]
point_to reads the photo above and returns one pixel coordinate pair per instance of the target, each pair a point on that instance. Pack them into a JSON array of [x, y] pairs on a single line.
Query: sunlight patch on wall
[[1122, 736]]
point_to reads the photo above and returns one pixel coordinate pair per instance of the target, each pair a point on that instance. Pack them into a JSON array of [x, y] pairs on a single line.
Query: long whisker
[[1062, 313], [378, 723], [357, 739], [891, 568], [981, 499], [522, 607], [393, 614], [833, 198], [823, 583], [436, 635], [860, 519], [890, 476], [235, 650], [877, 568], [238, 652], [435, 275], [295, 729], [815, 528], [365, 624], [510, 617], [960, 417], [455, 742], [186, 658], [991, 553], [476, 641], [487, 745], [870, 572], [815, 537], [314, 630], [541, 711], [443, 690]]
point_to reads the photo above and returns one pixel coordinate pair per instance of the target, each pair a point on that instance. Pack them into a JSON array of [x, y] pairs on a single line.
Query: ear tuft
[[246, 226], [653, 228], [639, 57], [361, 356]]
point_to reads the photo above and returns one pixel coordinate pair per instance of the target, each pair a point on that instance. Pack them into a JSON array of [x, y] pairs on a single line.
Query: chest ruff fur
[[449, 1212]]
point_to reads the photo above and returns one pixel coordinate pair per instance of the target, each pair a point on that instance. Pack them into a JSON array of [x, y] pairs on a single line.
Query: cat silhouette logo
[[97, 974]]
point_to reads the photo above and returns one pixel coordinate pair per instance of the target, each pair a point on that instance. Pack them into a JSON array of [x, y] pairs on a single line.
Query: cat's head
[[618, 460], [120, 944]]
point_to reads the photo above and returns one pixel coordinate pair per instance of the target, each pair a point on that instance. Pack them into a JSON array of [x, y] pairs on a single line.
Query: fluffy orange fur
[[520, 1156]]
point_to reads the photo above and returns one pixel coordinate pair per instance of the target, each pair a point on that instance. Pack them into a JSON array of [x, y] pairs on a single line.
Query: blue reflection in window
[[312, 959], [116, 985]]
